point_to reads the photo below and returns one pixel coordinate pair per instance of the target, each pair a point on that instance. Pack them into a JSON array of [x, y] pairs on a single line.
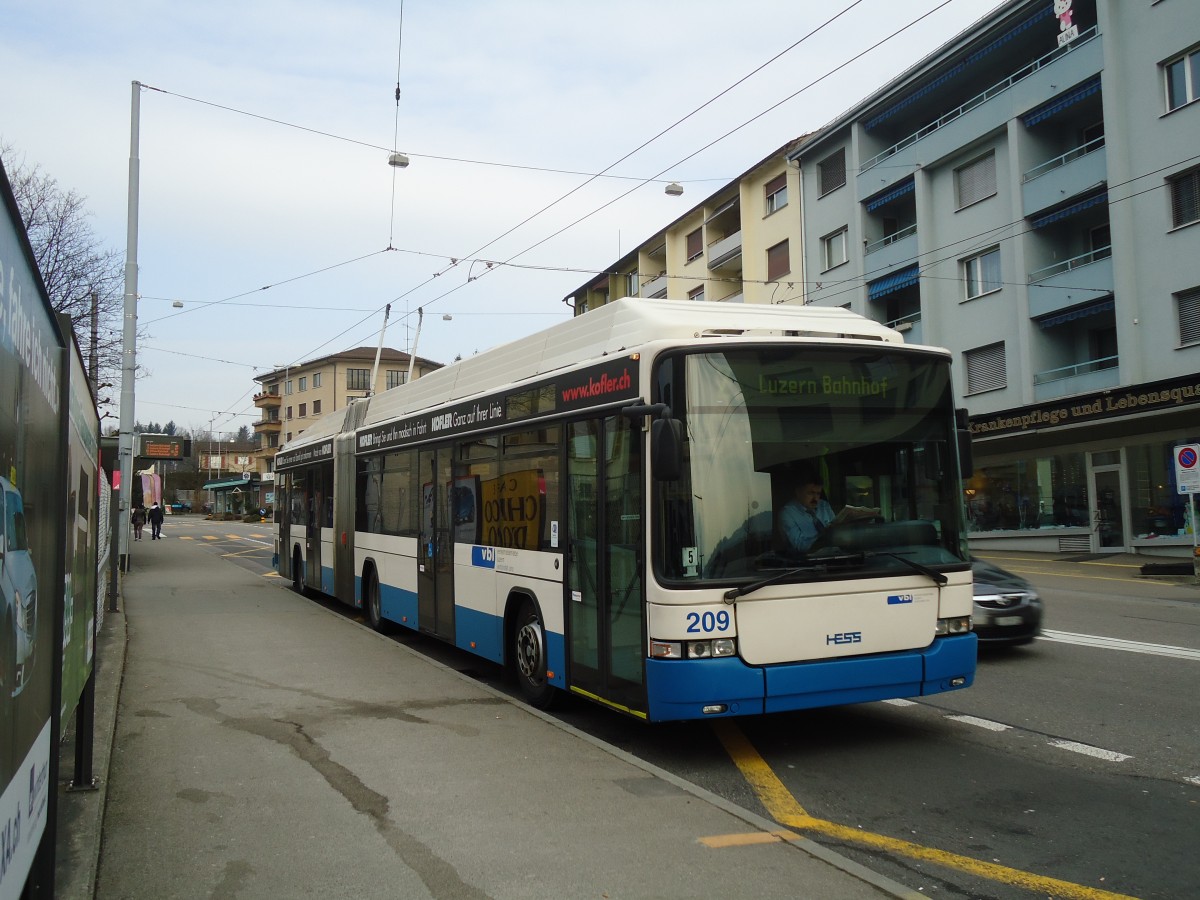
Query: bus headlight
[[708, 649], [693, 649], [955, 625]]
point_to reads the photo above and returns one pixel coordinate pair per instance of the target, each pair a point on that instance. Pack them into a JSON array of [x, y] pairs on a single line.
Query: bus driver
[[808, 513]]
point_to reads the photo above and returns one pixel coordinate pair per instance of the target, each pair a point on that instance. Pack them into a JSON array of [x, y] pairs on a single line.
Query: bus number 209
[[707, 622]]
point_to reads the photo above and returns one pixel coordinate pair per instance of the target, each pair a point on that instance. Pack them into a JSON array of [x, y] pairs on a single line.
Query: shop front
[[1089, 474]]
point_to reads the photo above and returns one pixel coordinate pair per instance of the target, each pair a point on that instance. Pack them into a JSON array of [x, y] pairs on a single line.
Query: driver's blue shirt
[[801, 525]]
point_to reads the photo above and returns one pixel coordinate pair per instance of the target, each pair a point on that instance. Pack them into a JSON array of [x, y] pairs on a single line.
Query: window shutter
[[985, 368], [977, 180], [833, 171], [1185, 199], [1189, 316], [695, 244], [778, 261]]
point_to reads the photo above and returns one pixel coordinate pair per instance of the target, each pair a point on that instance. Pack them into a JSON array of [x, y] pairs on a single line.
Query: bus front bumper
[[706, 688]]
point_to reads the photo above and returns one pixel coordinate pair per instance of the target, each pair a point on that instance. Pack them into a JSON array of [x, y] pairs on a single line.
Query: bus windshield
[[817, 462]]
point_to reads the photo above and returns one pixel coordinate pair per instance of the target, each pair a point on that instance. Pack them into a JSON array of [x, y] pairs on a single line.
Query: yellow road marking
[[210, 537], [244, 552], [720, 841], [271, 575], [186, 537], [784, 809]]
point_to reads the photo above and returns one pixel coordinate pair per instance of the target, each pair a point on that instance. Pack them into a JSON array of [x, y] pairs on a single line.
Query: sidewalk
[[265, 747]]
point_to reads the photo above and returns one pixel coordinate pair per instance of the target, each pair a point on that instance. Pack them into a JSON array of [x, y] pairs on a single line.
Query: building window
[[303, 383], [1189, 316], [778, 261], [358, 379], [976, 180], [1182, 79], [695, 244], [776, 193], [632, 288], [272, 440], [832, 172], [833, 249], [1185, 198], [288, 438], [395, 378], [982, 273], [303, 410], [289, 413], [985, 368], [316, 407], [696, 293], [287, 387], [316, 380]]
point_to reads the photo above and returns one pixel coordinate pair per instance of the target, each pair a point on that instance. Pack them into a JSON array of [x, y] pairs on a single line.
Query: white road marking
[[1193, 779], [1088, 750], [981, 723], [1107, 643]]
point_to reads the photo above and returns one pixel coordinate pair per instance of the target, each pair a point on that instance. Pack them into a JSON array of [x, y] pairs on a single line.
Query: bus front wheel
[[529, 657]]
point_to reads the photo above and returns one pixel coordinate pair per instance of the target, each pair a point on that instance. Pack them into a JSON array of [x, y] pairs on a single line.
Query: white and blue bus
[[597, 507]]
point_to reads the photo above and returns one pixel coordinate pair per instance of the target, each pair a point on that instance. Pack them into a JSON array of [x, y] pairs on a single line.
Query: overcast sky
[[267, 205]]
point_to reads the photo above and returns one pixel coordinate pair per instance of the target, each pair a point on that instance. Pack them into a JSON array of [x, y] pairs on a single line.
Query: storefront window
[[1157, 508], [1028, 492]]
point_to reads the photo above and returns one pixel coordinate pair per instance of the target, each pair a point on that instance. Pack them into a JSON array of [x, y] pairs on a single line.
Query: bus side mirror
[[666, 449], [966, 459]]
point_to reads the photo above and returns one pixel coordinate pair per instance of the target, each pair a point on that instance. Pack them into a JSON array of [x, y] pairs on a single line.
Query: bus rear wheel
[[529, 657], [373, 602]]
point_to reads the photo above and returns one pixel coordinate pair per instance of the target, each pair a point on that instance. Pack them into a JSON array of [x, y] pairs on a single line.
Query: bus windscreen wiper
[[814, 563], [937, 576]]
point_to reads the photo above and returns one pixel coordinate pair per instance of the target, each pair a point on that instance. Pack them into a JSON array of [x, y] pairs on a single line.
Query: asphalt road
[[1070, 769]]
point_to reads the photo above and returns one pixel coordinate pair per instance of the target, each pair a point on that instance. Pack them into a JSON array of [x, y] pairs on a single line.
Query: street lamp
[[129, 332]]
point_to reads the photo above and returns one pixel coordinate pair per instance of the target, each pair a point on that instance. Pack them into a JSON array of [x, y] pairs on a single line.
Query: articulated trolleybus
[[598, 508]]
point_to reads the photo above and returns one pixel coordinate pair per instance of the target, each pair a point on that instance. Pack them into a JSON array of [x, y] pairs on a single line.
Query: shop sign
[[1156, 397]]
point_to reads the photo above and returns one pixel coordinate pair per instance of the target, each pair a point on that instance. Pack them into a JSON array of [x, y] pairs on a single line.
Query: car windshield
[[816, 462]]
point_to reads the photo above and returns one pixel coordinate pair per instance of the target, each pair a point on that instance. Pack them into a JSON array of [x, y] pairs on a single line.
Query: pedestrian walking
[[138, 519], [156, 520]]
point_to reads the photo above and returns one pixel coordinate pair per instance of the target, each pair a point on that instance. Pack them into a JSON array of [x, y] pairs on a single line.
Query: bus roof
[[621, 326]]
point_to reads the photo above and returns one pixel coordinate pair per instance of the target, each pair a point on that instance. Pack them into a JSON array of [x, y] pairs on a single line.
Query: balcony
[[910, 327], [268, 426], [984, 114], [726, 252], [894, 250], [1080, 378], [268, 400], [1069, 175], [655, 287], [1071, 282]]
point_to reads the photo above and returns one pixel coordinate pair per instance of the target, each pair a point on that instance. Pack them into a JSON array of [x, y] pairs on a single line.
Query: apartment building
[[1029, 197], [294, 397], [740, 245]]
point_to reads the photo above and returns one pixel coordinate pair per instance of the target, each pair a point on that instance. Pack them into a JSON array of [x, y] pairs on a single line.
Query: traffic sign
[[1187, 468]]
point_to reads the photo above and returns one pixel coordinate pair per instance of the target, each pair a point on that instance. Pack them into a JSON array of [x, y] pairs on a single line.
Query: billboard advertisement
[[32, 501], [83, 495]]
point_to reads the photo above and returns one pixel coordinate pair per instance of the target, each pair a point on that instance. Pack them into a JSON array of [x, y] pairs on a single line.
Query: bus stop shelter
[[234, 496]]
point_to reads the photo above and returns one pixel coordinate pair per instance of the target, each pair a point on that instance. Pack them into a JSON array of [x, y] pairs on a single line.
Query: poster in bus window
[[464, 508], [32, 543], [513, 506]]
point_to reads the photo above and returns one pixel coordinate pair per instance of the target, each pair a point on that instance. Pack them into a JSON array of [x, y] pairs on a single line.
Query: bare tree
[[84, 280]]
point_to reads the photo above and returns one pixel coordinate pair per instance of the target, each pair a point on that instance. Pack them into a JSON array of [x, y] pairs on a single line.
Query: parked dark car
[[1008, 609]]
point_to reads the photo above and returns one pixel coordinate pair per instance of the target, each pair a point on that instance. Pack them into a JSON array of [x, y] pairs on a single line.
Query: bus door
[[318, 486], [435, 550], [604, 582]]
